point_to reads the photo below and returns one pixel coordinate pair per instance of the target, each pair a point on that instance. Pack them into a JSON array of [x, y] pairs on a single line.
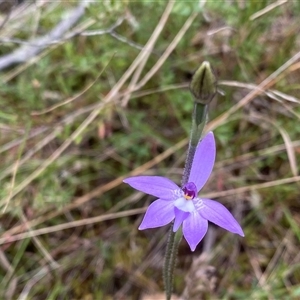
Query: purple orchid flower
[[183, 205]]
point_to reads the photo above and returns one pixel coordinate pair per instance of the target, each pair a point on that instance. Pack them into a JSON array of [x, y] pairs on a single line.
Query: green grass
[[111, 259]]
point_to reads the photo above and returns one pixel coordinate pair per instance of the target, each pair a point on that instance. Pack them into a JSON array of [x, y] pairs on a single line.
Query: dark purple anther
[[190, 190]]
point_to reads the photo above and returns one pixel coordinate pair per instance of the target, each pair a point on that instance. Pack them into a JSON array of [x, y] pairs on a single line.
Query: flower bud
[[204, 84]]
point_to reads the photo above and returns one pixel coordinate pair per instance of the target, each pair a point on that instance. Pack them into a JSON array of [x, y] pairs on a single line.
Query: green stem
[[203, 87], [199, 119], [167, 271], [170, 260]]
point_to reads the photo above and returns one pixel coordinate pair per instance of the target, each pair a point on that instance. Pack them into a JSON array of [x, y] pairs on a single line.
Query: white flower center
[[185, 205]]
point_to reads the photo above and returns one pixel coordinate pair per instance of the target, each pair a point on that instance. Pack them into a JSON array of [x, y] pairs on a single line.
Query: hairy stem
[[199, 119], [203, 87]]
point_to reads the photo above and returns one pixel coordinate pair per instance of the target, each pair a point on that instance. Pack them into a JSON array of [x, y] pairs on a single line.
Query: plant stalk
[[203, 87]]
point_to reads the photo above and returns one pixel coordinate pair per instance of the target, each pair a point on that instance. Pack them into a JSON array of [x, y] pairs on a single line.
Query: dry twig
[[28, 51]]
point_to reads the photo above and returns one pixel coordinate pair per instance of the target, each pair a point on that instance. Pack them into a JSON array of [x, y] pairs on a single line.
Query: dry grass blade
[[134, 86], [256, 155], [269, 81], [100, 190], [34, 150], [46, 230], [13, 179], [289, 149], [287, 141], [270, 93], [11, 286], [69, 100], [149, 48], [40, 246], [38, 276], [267, 9], [252, 187], [168, 51], [14, 168], [265, 277]]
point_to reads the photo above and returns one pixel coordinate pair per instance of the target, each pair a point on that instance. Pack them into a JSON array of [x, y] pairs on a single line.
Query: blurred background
[[92, 92]]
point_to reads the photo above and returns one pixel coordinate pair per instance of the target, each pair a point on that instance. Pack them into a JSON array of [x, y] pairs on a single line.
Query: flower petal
[[194, 229], [204, 160], [218, 214], [159, 213], [160, 187], [184, 205], [180, 216]]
